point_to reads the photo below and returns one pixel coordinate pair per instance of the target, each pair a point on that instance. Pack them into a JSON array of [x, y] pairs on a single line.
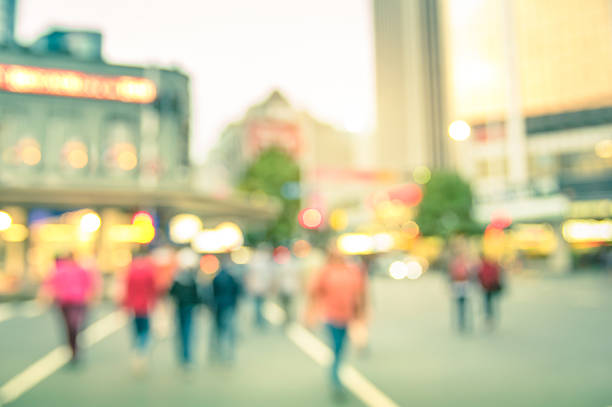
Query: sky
[[319, 53]]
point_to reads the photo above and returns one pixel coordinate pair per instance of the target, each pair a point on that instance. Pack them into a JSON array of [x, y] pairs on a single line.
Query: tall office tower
[[411, 114], [7, 22]]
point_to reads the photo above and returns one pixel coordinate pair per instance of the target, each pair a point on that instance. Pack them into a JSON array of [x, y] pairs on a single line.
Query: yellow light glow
[[90, 222], [77, 158], [15, 233], [140, 232], [355, 243], [56, 233], [59, 82], [230, 235], [411, 229], [207, 241], [459, 130], [603, 149], [338, 219], [30, 155], [184, 227], [398, 270], [414, 270], [127, 160], [242, 255], [383, 242], [584, 231], [5, 220]]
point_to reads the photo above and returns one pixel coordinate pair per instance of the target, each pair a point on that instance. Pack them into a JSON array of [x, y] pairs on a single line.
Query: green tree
[[274, 172], [446, 208]]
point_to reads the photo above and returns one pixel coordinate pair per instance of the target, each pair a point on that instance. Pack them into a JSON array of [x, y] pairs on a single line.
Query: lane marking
[[312, 346], [7, 311], [27, 309], [58, 357]]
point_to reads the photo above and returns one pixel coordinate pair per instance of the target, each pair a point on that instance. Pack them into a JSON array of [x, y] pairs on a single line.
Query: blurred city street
[[551, 349]]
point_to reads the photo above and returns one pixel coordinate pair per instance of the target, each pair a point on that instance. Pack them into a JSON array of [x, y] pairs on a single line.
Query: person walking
[[72, 288], [339, 290], [184, 291], [459, 272], [288, 283], [139, 299], [259, 281], [226, 289], [489, 275]]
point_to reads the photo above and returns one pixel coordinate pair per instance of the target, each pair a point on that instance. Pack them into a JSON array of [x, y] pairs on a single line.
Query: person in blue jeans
[[226, 289], [184, 291]]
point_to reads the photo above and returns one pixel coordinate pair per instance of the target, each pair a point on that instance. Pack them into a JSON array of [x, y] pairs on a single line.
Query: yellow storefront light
[[184, 227], [338, 219], [6, 220], [355, 243], [15, 233], [90, 222], [585, 231]]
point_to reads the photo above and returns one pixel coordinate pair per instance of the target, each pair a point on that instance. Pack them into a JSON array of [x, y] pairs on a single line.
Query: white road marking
[[357, 383], [58, 357], [7, 311], [27, 309]]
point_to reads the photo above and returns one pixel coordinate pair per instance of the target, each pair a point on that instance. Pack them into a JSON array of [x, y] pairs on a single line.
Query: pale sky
[[318, 52]]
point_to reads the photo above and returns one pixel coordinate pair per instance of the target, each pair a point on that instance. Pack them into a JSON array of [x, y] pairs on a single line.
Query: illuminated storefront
[[85, 146]]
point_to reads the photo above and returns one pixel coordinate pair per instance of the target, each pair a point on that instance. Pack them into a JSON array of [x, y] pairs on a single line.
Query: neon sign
[[59, 82]]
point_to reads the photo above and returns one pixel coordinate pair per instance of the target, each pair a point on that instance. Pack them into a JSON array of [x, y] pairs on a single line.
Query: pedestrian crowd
[[336, 294]]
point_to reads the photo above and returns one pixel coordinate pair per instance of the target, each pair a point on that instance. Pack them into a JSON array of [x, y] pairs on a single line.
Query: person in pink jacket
[[72, 288]]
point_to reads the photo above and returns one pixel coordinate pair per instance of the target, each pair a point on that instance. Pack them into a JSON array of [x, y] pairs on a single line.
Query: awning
[[172, 200]]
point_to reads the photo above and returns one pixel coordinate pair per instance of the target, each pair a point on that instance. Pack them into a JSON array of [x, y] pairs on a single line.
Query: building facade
[[531, 79], [410, 85]]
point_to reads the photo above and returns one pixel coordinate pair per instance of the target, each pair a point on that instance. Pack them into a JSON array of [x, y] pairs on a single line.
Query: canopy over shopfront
[[169, 200]]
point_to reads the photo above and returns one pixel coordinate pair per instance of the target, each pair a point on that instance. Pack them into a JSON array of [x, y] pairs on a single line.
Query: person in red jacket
[[140, 297], [489, 274], [72, 287], [339, 290]]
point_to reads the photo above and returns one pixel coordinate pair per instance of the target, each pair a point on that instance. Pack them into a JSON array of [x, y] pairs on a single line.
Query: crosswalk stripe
[[58, 357], [312, 346]]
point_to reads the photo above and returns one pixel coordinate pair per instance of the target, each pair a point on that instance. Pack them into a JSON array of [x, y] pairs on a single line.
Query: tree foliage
[[446, 208], [270, 173]]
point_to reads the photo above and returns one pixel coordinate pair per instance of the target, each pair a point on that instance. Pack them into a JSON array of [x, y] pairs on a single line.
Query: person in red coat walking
[[140, 297], [72, 287], [489, 274]]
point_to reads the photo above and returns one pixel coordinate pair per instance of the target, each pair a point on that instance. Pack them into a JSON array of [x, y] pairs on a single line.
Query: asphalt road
[[552, 347]]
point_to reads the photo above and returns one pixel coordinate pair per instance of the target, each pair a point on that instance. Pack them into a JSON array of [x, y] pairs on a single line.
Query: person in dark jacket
[[184, 291], [489, 274], [226, 288]]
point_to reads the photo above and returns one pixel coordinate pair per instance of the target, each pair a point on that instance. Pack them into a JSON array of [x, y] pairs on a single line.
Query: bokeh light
[[421, 174], [310, 218], [184, 227], [398, 270], [209, 264], [242, 255], [459, 130], [603, 149], [75, 153], [90, 222], [282, 255], [301, 248], [15, 233], [29, 151], [5, 220], [338, 219], [355, 243]]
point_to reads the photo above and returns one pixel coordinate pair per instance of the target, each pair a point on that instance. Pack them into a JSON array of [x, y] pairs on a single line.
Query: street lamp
[[459, 130]]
